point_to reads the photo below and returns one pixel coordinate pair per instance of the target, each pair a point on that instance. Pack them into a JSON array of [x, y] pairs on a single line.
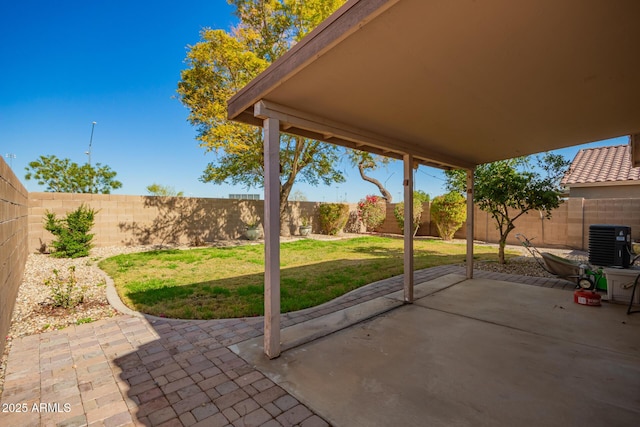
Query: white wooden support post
[[470, 223], [271, 238], [408, 228]]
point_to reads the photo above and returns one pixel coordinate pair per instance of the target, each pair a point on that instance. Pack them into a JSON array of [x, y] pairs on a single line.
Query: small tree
[[449, 212], [333, 217], [65, 292], [72, 232], [298, 196], [163, 190], [65, 176], [372, 211], [421, 196], [508, 189]]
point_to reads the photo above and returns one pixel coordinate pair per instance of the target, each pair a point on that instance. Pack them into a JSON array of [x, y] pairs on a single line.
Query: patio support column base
[[408, 228]]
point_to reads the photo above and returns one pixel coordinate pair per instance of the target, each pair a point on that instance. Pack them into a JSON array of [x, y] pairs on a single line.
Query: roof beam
[[293, 121]]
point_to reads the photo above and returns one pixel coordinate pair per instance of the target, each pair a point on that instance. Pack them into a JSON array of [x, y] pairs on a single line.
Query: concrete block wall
[[133, 220], [144, 220], [544, 232], [611, 211], [390, 224], [13, 243]]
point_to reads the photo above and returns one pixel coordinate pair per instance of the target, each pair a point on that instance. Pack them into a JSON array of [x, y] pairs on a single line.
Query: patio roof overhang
[[457, 84], [446, 84]]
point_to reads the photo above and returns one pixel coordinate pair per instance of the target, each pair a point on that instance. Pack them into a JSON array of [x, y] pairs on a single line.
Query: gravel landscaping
[[33, 312]]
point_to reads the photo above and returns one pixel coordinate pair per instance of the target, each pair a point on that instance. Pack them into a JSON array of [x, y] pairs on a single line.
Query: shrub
[[333, 217], [449, 212], [372, 211], [72, 232], [65, 292], [398, 212], [421, 196]]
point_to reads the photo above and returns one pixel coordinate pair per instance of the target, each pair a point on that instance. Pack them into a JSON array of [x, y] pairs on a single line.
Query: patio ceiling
[[456, 84]]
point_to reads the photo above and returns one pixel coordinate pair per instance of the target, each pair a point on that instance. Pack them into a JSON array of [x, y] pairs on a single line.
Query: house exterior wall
[[606, 192], [13, 243]]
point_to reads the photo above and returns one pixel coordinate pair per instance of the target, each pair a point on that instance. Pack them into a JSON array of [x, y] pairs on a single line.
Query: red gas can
[[586, 297]]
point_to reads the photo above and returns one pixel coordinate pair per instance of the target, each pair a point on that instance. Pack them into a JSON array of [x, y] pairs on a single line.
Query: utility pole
[[88, 153]]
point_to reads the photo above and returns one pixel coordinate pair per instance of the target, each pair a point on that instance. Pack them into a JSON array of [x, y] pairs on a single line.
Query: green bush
[[65, 292], [333, 217], [72, 232], [449, 212], [372, 211], [398, 212]]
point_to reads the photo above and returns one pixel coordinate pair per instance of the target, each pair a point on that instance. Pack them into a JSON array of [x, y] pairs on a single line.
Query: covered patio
[[445, 84], [468, 352]]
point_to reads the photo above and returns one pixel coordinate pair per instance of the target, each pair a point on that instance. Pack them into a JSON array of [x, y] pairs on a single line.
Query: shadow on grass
[[300, 287]]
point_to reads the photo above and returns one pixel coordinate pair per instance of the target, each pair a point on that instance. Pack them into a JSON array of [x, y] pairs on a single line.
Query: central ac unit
[[610, 245]]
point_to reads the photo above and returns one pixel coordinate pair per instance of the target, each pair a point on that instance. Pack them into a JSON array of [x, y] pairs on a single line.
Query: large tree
[[224, 62], [366, 162], [508, 189], [65, 176]]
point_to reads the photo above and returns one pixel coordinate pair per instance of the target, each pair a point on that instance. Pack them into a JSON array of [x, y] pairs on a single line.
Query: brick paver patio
[[128, 370]]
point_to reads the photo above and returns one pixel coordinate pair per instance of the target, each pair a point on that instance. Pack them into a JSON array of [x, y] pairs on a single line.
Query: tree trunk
[[502, 244], [503, 241], [385, 193], [284, 204]]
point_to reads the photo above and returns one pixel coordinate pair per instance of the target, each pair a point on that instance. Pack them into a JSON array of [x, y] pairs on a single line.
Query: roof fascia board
[[332, 132], [346, 20]]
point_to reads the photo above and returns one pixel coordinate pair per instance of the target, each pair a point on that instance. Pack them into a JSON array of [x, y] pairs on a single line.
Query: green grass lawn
[[215, 283]]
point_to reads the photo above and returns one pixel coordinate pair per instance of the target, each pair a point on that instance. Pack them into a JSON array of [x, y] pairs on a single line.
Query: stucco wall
[[606, 192], [13, 243]]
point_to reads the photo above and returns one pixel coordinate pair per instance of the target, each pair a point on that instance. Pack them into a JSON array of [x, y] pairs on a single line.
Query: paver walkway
[[130, 370]]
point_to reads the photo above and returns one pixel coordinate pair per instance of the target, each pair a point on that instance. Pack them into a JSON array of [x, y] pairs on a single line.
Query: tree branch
[[385, 193]]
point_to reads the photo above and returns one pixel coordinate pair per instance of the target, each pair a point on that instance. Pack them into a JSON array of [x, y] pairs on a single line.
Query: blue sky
[[66, 64]]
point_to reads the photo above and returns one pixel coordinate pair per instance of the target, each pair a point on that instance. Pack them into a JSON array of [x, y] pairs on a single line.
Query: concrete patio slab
[[135, 370], [479, 352], [318, 327]]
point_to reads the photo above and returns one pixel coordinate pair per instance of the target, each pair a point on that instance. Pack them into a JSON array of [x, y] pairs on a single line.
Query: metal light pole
[[88, 153]]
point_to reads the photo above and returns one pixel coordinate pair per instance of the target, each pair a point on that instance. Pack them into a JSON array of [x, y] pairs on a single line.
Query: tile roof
[[600, 165]]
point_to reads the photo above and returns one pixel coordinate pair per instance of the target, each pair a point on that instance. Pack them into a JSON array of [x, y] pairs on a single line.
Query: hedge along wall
[[13, 243], [145, 220], [548, 232]]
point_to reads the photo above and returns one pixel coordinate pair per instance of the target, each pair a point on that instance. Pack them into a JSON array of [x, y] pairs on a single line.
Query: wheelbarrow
[[584, 275]]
